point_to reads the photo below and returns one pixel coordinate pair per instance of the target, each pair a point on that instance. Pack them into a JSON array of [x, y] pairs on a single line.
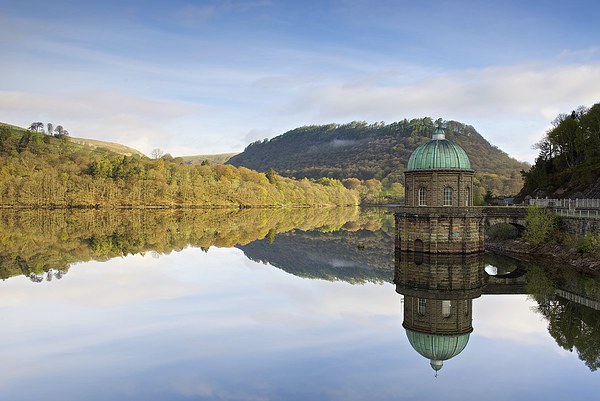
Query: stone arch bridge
[[513, 215], [451, 229]]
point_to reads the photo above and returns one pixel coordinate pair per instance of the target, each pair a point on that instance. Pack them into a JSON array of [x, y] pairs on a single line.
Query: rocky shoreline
[[553, 253]]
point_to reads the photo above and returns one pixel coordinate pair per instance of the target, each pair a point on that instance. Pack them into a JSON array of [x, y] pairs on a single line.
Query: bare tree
[[50, 128], [156, 153]]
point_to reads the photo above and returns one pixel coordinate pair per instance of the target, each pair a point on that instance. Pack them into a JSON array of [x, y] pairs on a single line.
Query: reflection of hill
[[33, 242], [352, 256]]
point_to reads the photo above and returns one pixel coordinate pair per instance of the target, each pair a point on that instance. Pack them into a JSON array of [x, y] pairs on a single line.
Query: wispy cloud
[[488, 98], [194, 13]]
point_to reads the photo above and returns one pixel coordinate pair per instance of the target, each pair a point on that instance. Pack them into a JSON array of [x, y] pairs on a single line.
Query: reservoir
[[305, 304]]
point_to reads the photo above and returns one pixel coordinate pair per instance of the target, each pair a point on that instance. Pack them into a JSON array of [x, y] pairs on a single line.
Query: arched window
[[448, 196], [422, 196], [421, 306], [446, 308], [468, 196]]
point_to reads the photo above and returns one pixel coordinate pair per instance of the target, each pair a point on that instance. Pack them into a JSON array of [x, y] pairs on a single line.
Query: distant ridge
[[380, 151]]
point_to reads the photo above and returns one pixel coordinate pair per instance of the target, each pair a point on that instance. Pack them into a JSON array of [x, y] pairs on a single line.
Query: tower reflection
[[438, 294]]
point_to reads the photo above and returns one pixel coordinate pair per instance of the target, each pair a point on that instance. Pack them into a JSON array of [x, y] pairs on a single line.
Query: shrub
[[589, 243], [540, 224]]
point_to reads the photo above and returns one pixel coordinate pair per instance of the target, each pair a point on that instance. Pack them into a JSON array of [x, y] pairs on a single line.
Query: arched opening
[[468, 196], [422, 196], [502, 231], [448, 193], [418, 245], [501, 267]]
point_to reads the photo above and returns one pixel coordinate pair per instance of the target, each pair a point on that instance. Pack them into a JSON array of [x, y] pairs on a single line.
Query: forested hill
[[568, 164], [379, 151], [48, 171]]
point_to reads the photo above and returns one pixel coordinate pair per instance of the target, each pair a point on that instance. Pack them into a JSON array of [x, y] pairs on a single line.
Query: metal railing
[[570, 204], [589, 214]]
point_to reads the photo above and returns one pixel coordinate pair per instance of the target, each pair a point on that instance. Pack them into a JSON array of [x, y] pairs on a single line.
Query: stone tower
[[438, 216]]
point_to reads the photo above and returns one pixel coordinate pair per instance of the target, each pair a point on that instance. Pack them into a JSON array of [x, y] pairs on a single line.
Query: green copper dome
[[437, 348], [439, 153]]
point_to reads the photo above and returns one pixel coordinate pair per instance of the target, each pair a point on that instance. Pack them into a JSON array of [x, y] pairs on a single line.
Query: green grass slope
[[111, 146], [220, 158]]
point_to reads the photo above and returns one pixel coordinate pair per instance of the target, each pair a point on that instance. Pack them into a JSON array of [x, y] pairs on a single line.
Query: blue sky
[[195, 77]]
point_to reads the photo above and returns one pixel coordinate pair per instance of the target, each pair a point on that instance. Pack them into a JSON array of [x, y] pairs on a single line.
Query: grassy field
[[113, 147], [212, 159], [92, 143]]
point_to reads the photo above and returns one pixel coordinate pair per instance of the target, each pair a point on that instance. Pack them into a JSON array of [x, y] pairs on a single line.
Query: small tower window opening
[[422, 196], [446, 308], [421, 306], [448, 192], [468, 196]]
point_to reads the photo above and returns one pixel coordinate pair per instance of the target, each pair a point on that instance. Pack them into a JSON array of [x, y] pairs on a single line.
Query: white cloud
[[487, 98], [136, 121], [509, 317]]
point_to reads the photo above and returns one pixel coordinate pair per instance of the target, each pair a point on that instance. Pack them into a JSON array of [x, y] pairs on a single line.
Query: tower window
[[468, 196], [422, 196], [446, 308], [421, 306], [448, 196]]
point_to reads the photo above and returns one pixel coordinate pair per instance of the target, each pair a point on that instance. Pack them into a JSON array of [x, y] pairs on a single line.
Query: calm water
[[275, 305]]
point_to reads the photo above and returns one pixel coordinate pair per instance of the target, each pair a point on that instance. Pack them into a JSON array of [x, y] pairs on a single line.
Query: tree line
[[38, 170], [57, 131]]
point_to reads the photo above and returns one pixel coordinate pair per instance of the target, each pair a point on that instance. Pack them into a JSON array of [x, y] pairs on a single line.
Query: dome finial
[[436, 365], [439, 129]]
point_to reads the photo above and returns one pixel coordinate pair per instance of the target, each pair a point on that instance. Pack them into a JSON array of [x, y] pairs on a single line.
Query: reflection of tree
[[541, 282], [41, 243], [572, 325]]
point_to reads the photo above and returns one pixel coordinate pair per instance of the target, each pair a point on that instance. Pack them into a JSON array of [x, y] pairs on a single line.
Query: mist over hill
[[376, 151]]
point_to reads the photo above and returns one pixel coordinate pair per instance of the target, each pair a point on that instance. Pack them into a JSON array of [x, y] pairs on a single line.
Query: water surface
[[258, 305]]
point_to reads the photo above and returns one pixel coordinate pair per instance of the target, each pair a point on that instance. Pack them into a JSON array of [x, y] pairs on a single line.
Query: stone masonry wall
[[434, 182], [580, 226], [441, 229]]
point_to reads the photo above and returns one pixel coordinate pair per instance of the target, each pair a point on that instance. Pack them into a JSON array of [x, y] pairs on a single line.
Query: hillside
[[111, 146], [45, 171], [92, 143], [220, 158], [375, 151]]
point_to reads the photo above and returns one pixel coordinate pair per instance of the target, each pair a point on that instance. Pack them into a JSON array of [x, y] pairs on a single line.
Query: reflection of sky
[[194, 325]]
